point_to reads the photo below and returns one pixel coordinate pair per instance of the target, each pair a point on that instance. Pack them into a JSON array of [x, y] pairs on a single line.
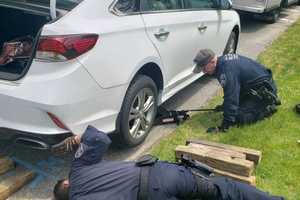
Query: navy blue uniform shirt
[[92, 178], [236, 73]]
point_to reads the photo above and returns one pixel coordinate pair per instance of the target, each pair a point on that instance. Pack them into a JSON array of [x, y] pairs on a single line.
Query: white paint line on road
[[286, 20], [294, 10]]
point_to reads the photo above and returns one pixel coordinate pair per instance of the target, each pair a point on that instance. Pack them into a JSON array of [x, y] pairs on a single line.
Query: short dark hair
[[61, 192]]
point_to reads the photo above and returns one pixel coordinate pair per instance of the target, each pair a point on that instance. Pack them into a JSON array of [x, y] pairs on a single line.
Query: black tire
[[284, 4], [141, 84], [273, 16], [231, 45]]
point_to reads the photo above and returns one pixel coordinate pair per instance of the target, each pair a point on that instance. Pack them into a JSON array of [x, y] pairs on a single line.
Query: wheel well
[[153, 71], [237, 31]]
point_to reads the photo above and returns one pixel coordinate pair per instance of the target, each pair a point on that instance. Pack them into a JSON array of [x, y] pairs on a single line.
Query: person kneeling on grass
[[250, 93], [92, 178]]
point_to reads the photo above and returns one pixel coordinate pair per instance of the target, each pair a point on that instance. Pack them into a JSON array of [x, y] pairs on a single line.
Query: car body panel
[[66, 90], [255, 6], [184, 33], [259, 6]]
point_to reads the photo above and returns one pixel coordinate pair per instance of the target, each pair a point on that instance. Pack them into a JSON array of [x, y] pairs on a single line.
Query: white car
[[104, 63]]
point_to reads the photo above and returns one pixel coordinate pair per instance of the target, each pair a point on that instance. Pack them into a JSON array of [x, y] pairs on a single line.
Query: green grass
[[276, 137]]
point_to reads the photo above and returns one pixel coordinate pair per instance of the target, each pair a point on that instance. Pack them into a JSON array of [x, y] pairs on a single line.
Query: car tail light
[[64, 47], [57, 121]]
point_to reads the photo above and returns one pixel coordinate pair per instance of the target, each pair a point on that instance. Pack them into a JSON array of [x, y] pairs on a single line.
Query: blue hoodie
[[236, 74], [92, 178]]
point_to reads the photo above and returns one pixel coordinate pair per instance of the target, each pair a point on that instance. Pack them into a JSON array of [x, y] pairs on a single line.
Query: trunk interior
[[16, 23]]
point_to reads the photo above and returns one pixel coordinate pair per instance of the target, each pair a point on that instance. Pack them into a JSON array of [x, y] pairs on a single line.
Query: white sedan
[[106, 63]]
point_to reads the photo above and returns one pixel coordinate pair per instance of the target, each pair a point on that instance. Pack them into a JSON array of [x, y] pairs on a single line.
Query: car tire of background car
[[138, 111], [284, 4], [273, 16], [231, 43]]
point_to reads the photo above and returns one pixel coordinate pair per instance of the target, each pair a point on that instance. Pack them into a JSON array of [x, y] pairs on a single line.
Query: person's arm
[[231, 88], [231, 99], [92, 147]]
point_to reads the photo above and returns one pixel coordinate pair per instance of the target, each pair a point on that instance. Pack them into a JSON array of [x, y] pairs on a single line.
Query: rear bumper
[[251, 9], [66, 90], [47, 140]]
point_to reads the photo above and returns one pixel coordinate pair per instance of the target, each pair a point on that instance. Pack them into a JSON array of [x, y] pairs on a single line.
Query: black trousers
[[251, 110], [169, 181], [234, 190]]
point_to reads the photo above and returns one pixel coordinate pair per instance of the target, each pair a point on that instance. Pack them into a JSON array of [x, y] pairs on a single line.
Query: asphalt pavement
[[255, 37]]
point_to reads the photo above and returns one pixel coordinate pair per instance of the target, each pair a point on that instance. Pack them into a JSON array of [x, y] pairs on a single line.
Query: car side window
[[157, 5], [200, 4], [127, 6]]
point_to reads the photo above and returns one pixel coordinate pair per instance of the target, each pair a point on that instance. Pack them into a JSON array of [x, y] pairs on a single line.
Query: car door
[[172, 32], [213, 25]]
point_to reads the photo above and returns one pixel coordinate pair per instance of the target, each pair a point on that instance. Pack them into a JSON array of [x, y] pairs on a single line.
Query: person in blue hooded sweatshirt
[[250, 93], [92, 178]]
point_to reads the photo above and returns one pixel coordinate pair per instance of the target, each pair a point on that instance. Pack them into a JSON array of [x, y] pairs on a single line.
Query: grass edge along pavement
[[279, 170]]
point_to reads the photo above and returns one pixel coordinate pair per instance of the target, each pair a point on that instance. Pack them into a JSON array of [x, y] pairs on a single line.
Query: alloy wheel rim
[[141, 113]]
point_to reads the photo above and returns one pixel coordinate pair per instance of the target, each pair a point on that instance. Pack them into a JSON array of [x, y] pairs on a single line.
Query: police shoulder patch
[[231, 57], [79, 151], [223, 80]]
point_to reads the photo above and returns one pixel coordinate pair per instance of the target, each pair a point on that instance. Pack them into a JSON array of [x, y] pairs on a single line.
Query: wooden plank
[[215, 160], [14, 182], [225, 152], [249, 180], [6, 164], [251, 154]]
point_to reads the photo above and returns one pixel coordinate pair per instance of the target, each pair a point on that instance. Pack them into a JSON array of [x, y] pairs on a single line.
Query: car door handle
[[202, 28], [161, 33]]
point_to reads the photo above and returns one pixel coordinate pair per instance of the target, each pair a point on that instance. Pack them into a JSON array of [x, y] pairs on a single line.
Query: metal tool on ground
[[199, 168], [165, 116]]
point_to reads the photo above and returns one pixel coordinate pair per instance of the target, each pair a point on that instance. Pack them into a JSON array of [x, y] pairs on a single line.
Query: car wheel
[[273, 16], [284, 4], [231, 44], [138, 111]]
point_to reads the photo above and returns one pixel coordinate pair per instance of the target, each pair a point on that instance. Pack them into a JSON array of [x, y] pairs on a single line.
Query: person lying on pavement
[[93, 178], [250, 93]]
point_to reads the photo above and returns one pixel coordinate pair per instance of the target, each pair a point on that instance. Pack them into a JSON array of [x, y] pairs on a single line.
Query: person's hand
[[221, 129], [66, 146], [219, 108]]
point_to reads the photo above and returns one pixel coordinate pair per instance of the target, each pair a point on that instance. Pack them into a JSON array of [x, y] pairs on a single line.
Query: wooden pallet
[[226, 160], [6, 164], [12, 178]]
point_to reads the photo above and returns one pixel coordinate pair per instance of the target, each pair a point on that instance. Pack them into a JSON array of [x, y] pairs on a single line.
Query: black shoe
[[270, 110]]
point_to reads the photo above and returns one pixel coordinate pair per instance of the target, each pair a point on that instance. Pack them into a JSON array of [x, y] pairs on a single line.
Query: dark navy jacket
[[236, 73], [92, 178]]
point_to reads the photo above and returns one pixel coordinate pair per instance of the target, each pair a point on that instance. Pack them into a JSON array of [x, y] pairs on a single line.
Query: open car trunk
[[18, 22], [25, 18]]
